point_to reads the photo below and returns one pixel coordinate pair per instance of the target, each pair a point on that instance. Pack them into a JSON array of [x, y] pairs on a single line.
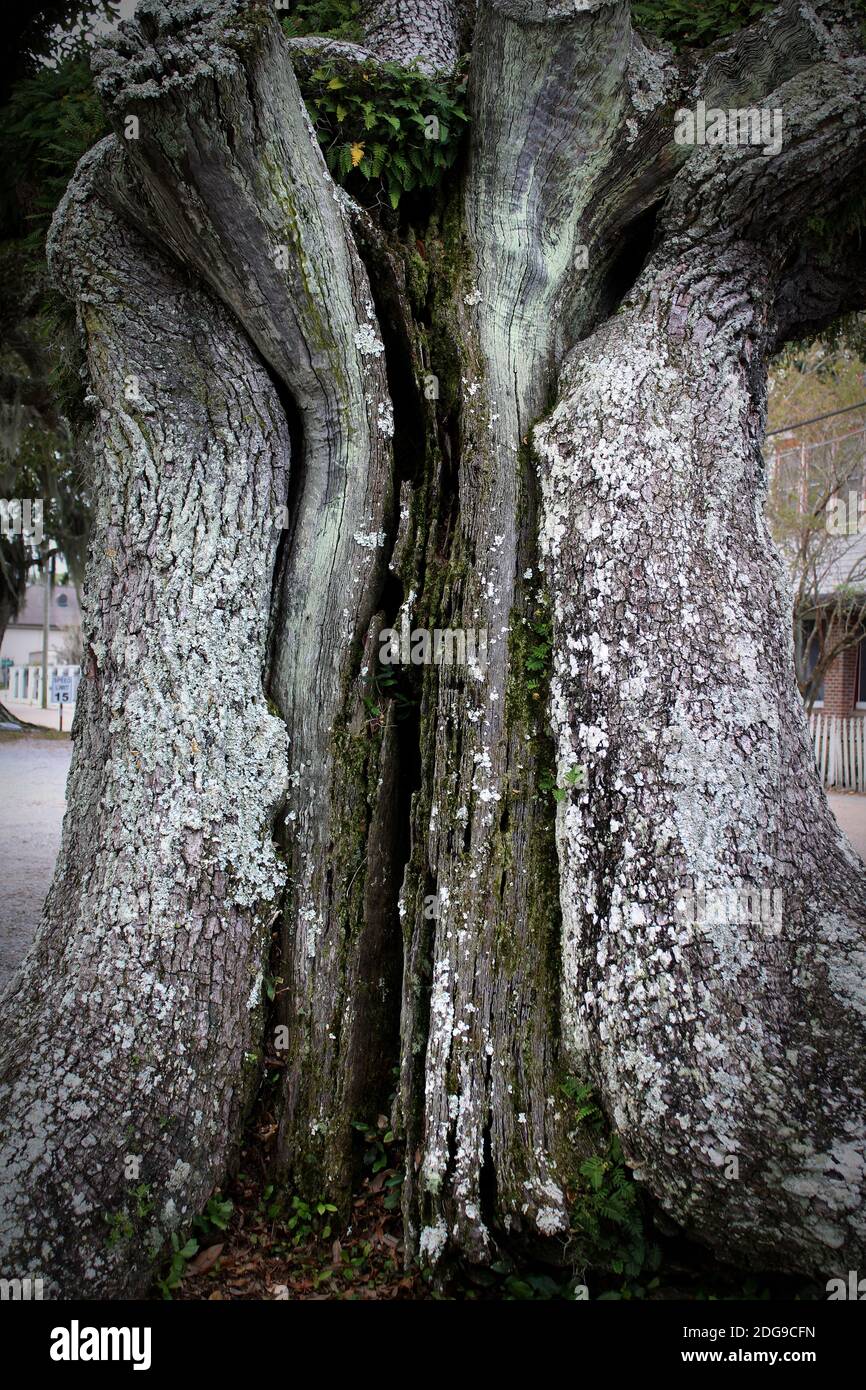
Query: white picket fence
[[840, 751]]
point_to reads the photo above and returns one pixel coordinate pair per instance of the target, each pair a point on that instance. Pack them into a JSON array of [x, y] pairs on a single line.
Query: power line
[[815, 418], [820, 443]]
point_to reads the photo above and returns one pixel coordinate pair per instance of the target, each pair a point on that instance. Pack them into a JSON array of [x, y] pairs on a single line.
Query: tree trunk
[[436, 910], [262, 222], [132, 1030], [696, 1009], [427, 32]]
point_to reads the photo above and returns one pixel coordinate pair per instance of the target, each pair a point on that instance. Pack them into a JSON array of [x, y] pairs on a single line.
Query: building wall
[[18, 643], [840, 686], [23, 636]]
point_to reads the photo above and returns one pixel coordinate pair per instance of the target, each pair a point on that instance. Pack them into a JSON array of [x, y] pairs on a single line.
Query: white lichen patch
[[368, 342], [671, 634]]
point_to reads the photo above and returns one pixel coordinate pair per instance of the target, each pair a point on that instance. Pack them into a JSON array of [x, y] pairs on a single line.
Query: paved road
[[48, 718], [850, 812], [32, 801]]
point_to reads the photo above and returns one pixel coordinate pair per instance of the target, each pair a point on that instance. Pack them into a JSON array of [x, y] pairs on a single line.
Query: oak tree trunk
[[598, 305]]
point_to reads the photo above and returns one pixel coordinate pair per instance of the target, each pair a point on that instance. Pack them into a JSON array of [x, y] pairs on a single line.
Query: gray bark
[[261, 221], [220, 221], [488, 1097], [131, 1033], [427, 32], [733, 1037]]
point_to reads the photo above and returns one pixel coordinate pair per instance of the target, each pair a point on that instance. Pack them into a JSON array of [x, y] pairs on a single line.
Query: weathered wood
[[734, 1039], [244, 301], [230, 177], [486, 1108], [131, 1034]]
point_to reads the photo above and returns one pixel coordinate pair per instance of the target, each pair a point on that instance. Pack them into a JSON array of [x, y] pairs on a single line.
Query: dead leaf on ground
[[205, 1259]]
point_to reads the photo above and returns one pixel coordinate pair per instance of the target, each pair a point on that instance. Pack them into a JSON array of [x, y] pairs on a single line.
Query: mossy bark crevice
[[418, 859]]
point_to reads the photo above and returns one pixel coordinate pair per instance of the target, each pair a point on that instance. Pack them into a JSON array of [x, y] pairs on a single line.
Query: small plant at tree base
[[213, 1220], [304, 1220], [215, 1217], [143, 1200], [607, 1214], [310, 1220], [120, 1227], [582, 1097], [180, 1255], [539, 652], [377, 1139], [385, 126]]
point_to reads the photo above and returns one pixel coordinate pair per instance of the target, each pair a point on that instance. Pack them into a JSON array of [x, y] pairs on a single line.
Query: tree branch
[[227, 173], [431, 33], [643, 158], [818, 288]]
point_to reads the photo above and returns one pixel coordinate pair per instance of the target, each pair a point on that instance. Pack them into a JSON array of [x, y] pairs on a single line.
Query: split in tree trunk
[[437, 912]]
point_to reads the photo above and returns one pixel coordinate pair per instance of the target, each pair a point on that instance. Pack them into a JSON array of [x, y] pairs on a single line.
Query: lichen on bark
[[130, 1027], [584, 271]]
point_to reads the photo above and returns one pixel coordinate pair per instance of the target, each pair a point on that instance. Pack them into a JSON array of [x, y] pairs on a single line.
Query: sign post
[[62, 692]]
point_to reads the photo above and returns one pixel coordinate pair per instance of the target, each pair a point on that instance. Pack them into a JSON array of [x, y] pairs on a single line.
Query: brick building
[[824, 544], [844, 689]]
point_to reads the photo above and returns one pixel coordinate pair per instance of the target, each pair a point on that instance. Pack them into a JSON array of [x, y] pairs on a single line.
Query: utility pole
[[46, 623]]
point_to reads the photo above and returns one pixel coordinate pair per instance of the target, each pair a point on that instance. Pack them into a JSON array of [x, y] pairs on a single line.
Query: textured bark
[[631, 179], [822, 284], [230, 177], [487, 1098], [674, 687], [213, 257], [427, 32], [131, 1032]]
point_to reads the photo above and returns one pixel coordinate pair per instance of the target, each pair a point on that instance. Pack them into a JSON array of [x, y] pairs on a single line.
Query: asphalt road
[[32, 801]]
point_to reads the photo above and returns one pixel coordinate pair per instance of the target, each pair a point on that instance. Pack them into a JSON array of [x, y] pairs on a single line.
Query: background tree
[[531, 401], [814, 473], [49, 116]]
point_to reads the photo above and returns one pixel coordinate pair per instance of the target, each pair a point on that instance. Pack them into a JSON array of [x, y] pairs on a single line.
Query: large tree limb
[[735, 1038], [818, 288], [738, 71], [230, 177], [131, 1033]]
